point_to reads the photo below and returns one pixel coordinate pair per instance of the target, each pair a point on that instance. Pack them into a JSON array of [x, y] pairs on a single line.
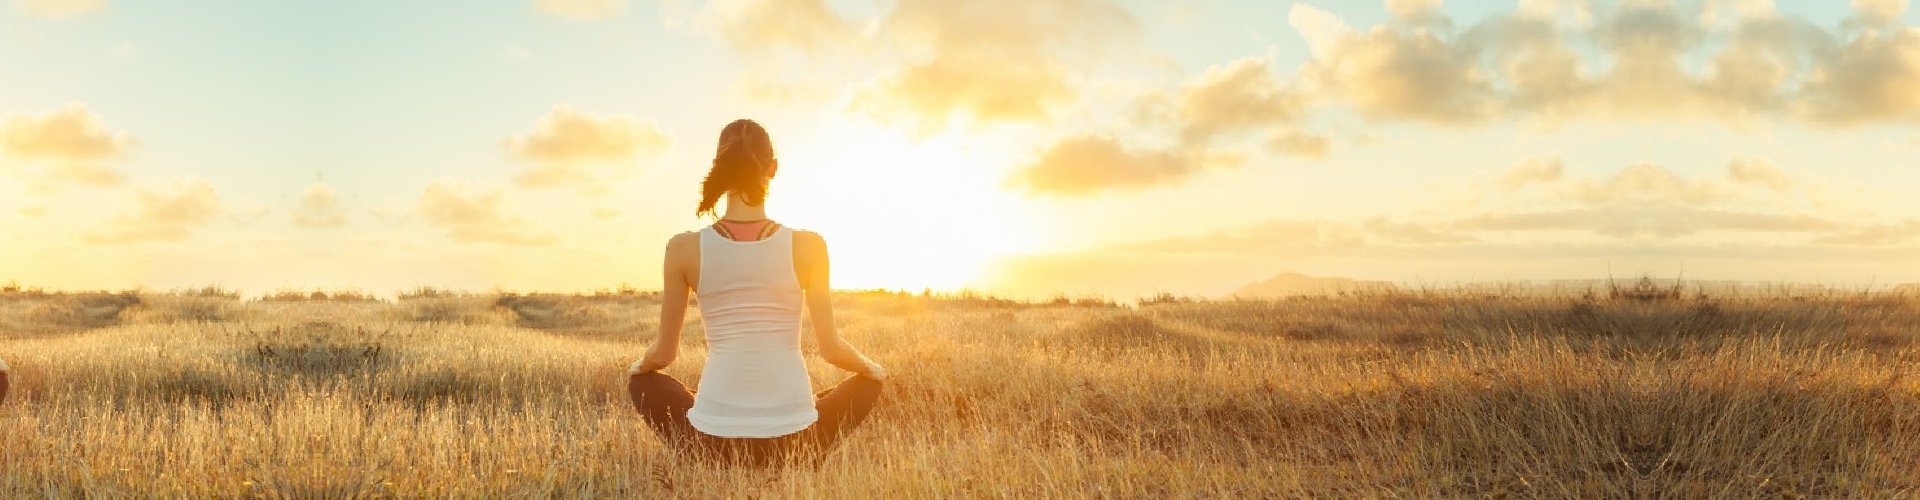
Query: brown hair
[[739, 164]]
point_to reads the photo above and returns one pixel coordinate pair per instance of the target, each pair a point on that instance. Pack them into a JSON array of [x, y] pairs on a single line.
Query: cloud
[[765, 34], [1558, 60], [1875, 77], [1227, 101], [1531, 55], [1543, 180], [1088, 164], [79, 173], [1649, 183], [1417, 233], [565, 146], [1875, 234], [1647, 41], [72, 145], [1734, 61], [73, 133], [1759, 171], [1639, 213], [1640, 201], [1412, 9], [1663, 221], [580, 9], [1241, 95], [473, 215], [1752, 196], [1299, 144], [989, 60], [319, 208], [1533, 171], [31, 211], [761, 27], [566, 135], [1879, 11], [165, 213], [1576, 13], [1393, 72], [60, 8], [1726, 12], [245, 211], [1322, 30]]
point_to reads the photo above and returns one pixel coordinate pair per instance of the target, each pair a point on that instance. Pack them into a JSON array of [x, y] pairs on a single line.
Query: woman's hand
[[655, 359], [874, 371]]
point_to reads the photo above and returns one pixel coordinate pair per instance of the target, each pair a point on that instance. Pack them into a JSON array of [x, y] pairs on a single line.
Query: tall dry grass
[[1430, 394]]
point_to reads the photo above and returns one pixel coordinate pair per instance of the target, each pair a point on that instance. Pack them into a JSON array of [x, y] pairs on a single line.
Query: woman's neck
[[740, 210]]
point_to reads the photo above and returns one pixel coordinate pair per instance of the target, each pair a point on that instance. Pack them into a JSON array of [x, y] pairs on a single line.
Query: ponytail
[[739, 166]]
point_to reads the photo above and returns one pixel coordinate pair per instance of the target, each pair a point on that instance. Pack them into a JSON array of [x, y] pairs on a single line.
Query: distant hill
[[1291, 284]]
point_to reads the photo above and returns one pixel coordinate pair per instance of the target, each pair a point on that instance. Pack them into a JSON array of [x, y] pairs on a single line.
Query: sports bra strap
[[767, 227]]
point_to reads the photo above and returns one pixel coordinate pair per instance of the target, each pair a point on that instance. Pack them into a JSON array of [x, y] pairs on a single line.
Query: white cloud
[[1731, 60], [1241, 95], [65, 147], [319, 208], [1533, 171], [569, 147], [989, 60], [73, 133], [472, 214], [760, 27], [165, 213], [1322, 30], [1088, 164]]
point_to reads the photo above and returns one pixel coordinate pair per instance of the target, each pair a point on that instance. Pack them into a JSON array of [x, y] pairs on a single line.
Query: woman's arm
[[810, 253], [673, 306]]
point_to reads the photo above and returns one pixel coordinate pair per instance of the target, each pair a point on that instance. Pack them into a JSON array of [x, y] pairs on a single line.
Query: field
[[1408, 394]]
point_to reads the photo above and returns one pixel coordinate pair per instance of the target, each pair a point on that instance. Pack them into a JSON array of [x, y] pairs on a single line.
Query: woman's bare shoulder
[[809, 242], [684, 241]]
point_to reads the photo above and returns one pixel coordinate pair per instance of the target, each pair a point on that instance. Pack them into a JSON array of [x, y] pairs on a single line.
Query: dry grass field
[[1408, 395]]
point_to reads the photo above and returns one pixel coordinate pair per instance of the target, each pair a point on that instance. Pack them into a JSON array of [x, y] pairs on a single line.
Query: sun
[[901, 211]]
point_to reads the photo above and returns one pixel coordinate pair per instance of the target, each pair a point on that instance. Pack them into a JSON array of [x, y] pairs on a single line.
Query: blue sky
[[1081, 158]]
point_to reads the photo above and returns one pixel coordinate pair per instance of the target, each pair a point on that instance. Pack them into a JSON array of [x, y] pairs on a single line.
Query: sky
[[1019, 147]]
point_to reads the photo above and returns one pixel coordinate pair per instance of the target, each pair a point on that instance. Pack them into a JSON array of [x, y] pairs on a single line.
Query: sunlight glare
[[899, 211]]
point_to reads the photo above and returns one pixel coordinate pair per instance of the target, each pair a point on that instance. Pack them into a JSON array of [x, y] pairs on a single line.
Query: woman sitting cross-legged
[[755, 404]]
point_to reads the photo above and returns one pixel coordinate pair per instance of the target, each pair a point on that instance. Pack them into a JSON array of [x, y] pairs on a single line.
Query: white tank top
[[755, 382]]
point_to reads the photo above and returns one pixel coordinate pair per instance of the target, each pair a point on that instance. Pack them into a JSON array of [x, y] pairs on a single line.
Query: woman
[[755, 402]]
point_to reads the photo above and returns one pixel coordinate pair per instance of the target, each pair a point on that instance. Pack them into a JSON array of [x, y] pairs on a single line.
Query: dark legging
[[663, 402]]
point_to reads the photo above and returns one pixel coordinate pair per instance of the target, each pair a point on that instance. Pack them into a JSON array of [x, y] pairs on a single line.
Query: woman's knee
[[861, 388], [650, 382], [659, 388], [652, 378]]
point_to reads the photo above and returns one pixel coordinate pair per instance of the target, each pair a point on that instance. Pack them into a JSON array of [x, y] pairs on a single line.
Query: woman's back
[[755, 401], [755, 382]]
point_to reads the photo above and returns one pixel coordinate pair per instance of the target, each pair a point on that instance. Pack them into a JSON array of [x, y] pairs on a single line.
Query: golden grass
[[1400, 395]]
